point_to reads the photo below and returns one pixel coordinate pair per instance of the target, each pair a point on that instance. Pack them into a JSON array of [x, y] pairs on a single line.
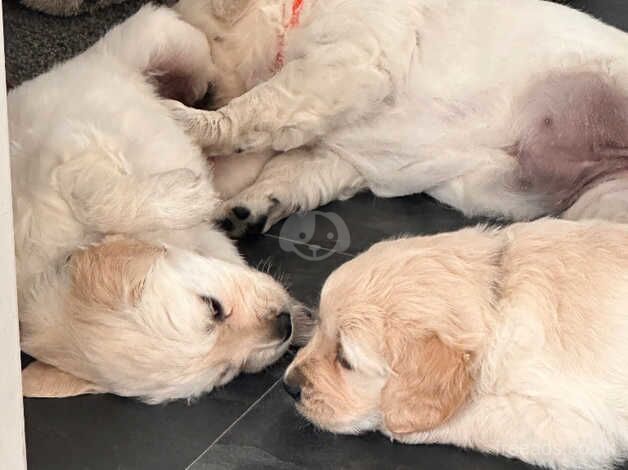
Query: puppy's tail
[[160, 45]]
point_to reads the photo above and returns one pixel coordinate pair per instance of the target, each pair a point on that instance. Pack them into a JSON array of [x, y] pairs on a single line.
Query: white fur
[[94, 152], [414, 95], [551, 393]]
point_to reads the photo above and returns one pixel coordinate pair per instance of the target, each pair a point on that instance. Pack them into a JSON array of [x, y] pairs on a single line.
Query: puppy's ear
[[40, 380], [429, 382], [229, 11], [112, 274]]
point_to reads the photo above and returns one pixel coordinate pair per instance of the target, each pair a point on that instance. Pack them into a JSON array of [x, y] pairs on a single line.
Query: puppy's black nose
[[284, 326], [293, 390]]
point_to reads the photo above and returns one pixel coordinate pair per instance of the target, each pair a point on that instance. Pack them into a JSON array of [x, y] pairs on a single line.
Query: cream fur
[[167, 308], [507, 341], [411, 95]]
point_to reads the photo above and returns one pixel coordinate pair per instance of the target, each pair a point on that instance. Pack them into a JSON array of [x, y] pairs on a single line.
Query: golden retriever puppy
[[167, 309], [510, 341]]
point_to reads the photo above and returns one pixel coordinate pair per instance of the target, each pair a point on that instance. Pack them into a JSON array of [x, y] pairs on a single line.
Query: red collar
[[292, 22]]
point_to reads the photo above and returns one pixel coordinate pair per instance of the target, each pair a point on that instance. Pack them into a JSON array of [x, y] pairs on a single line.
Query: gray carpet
[[35, 41]]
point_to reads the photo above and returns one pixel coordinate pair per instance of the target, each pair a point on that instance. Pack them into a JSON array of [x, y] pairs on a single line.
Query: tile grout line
[[232, 425], [276, 237]]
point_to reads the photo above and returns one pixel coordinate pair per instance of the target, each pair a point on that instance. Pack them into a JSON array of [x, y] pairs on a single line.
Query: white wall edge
[[12, 441]]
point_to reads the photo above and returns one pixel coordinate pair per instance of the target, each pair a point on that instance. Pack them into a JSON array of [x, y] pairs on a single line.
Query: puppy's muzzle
[[294, 390], [292, 382]]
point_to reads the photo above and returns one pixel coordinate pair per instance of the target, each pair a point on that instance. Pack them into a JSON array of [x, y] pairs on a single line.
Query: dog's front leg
[[332, 86], [296, 181], [106, 199]]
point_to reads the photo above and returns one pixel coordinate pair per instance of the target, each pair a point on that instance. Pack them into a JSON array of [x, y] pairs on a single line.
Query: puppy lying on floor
[[165, 308], [506, 108], [508, 341]]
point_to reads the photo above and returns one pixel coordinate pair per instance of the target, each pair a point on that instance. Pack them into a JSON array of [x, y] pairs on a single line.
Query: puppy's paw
[[254, 211], [220, 133], [210, 129], [181, 113]]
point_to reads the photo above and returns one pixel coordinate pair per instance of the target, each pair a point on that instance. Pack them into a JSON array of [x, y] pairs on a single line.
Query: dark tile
[[613, 12], [107, 432], [293, 263], [353, 226], [294, 444]]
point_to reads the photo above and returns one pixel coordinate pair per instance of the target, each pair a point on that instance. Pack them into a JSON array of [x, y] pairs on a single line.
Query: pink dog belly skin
[[573, 135]]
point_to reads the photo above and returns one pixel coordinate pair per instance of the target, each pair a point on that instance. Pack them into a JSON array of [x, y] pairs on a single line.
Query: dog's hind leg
[[297, 181], [174, 55], [106, 199], [490, 189], [606, 201]]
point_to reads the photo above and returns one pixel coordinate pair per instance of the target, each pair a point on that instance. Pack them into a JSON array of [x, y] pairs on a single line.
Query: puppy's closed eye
[[215, 307], [342, 360]]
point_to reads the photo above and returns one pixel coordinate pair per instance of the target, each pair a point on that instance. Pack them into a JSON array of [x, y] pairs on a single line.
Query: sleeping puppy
[[503, 108], [124, 285], [508, 341]]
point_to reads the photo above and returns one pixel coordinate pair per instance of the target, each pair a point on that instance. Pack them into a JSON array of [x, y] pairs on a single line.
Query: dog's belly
[[421, 141], [478, 99], [572, 133], [553, 140]]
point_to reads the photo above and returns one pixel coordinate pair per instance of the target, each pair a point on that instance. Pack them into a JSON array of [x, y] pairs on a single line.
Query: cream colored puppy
[[510, 341], [167, 308], [507, 108]]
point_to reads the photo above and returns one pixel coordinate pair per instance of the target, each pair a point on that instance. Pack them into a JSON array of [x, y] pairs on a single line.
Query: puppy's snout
[[292, 383], [284, 326], [293, 389]]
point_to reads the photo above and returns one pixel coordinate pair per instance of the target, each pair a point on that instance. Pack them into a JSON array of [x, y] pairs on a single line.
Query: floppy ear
[[112, 273], [40, 380], [429, 382], [228, 11]]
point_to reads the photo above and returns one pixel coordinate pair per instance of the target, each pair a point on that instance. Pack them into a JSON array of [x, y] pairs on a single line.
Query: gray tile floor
[[250, 423]]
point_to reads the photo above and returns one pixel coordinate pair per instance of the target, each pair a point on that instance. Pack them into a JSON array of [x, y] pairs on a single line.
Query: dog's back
[[574, 276], [558, 357]]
